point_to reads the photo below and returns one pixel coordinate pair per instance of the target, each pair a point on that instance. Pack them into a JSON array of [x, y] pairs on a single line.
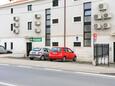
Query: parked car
[[62, 53], [4, 51], [40, 53]]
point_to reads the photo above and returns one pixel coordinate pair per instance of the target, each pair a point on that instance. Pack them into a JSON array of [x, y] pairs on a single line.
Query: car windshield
[[56, 49], [36, 49]]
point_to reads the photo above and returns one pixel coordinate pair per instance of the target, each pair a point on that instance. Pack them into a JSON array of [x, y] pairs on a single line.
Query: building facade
[[78, 24]]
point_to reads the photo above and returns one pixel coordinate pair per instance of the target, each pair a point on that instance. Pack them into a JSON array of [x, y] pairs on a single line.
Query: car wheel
[[31, 58], [64, 59], [51, 59], [42, 58], [74, 59]]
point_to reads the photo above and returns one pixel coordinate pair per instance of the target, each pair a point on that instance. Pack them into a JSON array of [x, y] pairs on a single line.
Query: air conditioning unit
[[16, 31], [37, 16], [37, 30], [37, 23], [98, 17], [102, 7], [107, 16], [16, 18], [16, 25], [106, 25], [97, 26]]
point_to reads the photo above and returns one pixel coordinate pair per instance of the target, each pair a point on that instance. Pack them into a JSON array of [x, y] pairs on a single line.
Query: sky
[[3, 1]]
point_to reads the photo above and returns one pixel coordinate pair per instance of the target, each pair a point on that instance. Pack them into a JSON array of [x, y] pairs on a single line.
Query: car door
[[70, 53]]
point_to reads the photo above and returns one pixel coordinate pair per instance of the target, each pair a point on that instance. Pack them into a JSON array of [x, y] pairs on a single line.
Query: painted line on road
[[94, 74], [7, 84], [84, 73], [61, 70], [51, 69], [5, 64], [29, 67]]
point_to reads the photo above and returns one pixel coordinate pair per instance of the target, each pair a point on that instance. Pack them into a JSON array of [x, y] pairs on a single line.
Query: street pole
[[64, 23]]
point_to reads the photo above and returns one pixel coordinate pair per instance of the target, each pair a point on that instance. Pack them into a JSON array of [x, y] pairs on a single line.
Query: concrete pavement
[[69, 66]]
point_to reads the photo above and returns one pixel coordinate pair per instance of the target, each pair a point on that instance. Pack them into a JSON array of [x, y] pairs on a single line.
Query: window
[[47, 26], [55, 2], [87, 19], [55, 44], [29, 7], [87, 28], [12, 27], [87, 12], [29, 25], [55, 21], [77, 44], [11, 10], [77, 19], [11, 45], [87, 5], [87, 24]]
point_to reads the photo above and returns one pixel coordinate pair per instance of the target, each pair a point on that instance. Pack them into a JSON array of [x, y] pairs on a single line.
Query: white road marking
[[94, 74], [7, 84], [54, 69], [84, 73], [5, 64], [29, 67]]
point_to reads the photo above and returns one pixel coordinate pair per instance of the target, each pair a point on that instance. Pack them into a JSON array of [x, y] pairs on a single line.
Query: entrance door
[[114, 50], [28, 47]]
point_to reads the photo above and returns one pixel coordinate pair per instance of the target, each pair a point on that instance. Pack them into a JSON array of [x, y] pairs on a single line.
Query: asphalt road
[[16, 75]]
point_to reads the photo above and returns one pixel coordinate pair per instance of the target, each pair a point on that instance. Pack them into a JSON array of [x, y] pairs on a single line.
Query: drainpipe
[[64, 23]]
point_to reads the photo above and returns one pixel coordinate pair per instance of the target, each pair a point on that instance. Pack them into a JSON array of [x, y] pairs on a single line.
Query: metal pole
[[64, 23]]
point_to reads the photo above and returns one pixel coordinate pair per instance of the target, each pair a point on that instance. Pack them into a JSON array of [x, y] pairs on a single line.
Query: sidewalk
[[69, 66]]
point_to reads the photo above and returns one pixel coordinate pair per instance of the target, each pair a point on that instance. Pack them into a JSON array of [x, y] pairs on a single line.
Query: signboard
[[94, 36], [39, 39]]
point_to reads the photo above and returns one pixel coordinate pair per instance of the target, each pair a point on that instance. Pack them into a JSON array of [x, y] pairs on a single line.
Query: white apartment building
[[77, 24]]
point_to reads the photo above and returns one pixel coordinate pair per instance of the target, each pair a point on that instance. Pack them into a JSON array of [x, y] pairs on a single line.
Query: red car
[[62, 53]]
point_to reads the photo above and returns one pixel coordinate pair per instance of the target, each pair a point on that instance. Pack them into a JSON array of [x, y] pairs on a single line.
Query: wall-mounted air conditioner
[[16, 31], [107, 15], [37, 16], [102, 7], [16, 25], [106, 25], [16, 19], [37, 23], [97, 26], [98, 17], [37, 30]]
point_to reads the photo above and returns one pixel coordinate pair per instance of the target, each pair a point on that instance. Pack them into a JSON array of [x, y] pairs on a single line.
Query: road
[[17, 75]]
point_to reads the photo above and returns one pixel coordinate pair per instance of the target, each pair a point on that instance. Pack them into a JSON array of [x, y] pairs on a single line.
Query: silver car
[[40, 53]]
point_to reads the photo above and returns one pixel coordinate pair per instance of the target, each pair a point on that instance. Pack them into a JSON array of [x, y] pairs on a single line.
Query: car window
[[45, 49], [56, 49], [2, 49], [69, 50], [36, 49], [65, 49]]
